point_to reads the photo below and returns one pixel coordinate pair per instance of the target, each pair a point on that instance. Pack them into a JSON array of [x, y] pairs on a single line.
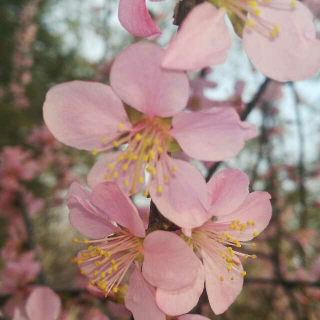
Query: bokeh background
[[45, 42]]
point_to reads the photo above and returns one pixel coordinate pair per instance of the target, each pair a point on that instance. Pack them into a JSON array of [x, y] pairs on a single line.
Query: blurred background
[[46, 42]]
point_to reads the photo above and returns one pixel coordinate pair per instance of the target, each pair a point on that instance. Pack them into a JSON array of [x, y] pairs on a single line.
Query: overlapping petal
[[169, 263], [294, 54], [137, 78], [43, 304], [204, 36], [221, 293], [85, 217], [140, 298], [181, 301], [227, 190], [211, 135], [183, 200], [109, 198], [256, 207], [135, 18], [80, 114]]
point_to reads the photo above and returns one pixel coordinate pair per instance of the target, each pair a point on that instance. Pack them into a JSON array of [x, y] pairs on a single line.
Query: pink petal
[[221, 294], [135, 18], [183, 300], [43, 304], [109, 198], [84, 216], [80, 114], [192, 317], [183, 199], [137, 78], [140, 299], [209, 135], [204, 36], [227, 191], [256, 207], [164, 254], [294, 54]]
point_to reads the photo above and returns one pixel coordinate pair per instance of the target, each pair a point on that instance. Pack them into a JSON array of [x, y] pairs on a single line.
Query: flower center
[[213, 237], [106, 261], [147, 144], [241, 8]]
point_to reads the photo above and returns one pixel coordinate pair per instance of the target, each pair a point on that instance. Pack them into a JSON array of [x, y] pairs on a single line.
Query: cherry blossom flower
[[91, 116], [241, 216], [19, 273], [279, 38], [42, 304], [119, 243]]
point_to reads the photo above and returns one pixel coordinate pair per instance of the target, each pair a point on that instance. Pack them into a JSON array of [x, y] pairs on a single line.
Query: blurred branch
[[182, 9], [282, 282], [249, 107]]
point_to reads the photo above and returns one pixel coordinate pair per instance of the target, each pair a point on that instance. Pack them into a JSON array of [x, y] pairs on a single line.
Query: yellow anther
[[151, 155], [110, 165], [231, 226], [223, 255], [113, 262], [232, 278], [277, 28], [102, 275], [75, 240], [95, 152], [125, 167], [249, 223], [235, 227], [92, 282], [86, 241], [159, 189], [126, 182], [254, 244], [141, 179], [250, 23], [145, 158], [229, 267], [120, 126], [92, 254], [160, 149], [107, 254], [233, 221], [135, 157], [246, 256], [121, 157], [229, 260], [220, 240], [115, 290], [116, 174], [273, 33], [166, 177], [104, 139], [109, 271], [138, 137], [95, 273], [97, 263], [156, 141], [174, 169], [253, 4], [254, 223], [107, 176], [90, 248], [238, 221], [254, 256], [115, 144], [80, 262], [221, 278], [257, 11], [115, 267], [83, 272], [293, 4], [243, 273], [242, 227], [145, 193], [223, 234], [255, 234], [101, 252], [84, 254], [146, 142]]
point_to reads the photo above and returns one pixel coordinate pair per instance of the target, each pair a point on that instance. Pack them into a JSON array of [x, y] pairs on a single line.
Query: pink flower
[[91, 116], [18, 273], [279, 38], [241, 217], [42, 304], [120, 243]]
